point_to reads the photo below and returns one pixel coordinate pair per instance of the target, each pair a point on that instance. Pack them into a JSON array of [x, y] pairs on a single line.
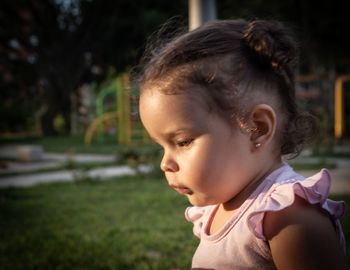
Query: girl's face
[[205, 157]]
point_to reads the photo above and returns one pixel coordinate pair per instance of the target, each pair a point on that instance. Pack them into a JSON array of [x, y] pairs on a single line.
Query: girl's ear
[[264, 122]]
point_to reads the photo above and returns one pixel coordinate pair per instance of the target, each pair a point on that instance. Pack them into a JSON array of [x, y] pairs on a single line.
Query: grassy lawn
[[127, 223]]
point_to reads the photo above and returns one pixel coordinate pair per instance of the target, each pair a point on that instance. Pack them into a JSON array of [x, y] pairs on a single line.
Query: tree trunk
[[47, 121]]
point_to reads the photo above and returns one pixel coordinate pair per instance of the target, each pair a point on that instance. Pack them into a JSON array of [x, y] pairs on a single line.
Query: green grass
[[126, 223]]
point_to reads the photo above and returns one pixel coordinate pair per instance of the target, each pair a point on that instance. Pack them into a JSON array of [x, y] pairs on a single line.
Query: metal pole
[[201, 11]]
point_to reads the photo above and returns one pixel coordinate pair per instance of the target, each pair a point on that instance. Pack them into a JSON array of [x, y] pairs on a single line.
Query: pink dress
[[240, 243]]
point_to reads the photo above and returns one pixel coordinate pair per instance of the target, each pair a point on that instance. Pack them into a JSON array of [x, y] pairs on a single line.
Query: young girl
[[220, 100]]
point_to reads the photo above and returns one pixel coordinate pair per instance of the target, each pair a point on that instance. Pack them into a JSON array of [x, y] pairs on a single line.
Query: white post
[[201, 11]]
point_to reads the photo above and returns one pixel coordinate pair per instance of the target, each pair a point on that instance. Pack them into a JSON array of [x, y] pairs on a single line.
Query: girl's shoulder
[[302, 225], [304, 195]]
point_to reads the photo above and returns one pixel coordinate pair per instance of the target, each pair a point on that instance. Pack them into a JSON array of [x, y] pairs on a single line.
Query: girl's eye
[[184, 143]]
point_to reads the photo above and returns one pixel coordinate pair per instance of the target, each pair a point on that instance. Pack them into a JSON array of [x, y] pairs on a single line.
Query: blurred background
[[68, 119], [58, 55]]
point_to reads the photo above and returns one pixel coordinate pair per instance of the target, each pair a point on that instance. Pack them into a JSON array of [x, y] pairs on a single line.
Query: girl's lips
[[182, 190]]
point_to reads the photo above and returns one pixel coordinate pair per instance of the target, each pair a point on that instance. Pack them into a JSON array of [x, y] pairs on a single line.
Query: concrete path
[[105, 173], [340, 180], [53, 160], [14, 173], [22, 174], [340, 175]]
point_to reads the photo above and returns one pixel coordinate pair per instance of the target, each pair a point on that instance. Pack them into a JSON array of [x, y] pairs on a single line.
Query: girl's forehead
[[155, 106], [165, 114]]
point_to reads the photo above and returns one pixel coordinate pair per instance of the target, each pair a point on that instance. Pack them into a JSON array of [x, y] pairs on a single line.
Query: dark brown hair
[[233, 60]]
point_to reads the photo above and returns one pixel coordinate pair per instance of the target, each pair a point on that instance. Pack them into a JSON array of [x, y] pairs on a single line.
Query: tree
[[62, 44], [50, 47], [321, 26]]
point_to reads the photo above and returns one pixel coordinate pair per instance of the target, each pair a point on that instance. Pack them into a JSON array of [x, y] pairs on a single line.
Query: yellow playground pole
[[127, 109], [122, 114], [339, 105], [95, 124], [123, 101]]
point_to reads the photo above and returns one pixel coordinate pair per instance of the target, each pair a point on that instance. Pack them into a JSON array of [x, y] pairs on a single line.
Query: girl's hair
[[238, 64]]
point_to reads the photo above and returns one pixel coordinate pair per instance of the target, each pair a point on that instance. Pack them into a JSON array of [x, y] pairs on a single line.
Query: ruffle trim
[[314, 190], [195, 215]]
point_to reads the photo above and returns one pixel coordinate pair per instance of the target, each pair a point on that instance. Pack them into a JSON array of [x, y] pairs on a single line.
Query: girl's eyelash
[[184, 143]]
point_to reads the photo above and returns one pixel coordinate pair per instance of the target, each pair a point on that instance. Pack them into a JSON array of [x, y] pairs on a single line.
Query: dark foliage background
[[50, 47]]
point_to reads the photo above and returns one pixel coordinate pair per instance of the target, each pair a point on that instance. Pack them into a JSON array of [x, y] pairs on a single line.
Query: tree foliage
[[50, 47], [321, 26]]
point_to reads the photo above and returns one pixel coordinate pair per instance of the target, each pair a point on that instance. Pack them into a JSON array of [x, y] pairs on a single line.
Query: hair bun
[[272, 42]]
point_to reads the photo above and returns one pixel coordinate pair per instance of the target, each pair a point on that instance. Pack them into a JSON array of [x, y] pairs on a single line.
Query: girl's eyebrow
[[177, 132], [172, 134]]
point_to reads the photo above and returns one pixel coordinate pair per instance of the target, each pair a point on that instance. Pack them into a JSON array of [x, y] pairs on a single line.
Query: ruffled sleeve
[[314, 190], [195, 215]]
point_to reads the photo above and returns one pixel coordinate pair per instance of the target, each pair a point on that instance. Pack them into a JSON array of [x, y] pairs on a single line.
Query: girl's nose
[[168, 164]]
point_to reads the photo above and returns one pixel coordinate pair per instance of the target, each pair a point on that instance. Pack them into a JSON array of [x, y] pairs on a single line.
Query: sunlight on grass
[[122, 224], [127, 223]]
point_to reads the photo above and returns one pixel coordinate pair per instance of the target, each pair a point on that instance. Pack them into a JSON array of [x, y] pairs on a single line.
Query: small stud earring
[[257, 145]]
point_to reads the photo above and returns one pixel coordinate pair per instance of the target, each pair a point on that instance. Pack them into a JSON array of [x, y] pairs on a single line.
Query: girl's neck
[[225, 210], [238, 200]]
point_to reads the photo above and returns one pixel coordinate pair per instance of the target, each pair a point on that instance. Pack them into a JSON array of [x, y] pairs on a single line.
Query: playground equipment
[[127, 124], [129, 128], [339, 105], [96, 124]]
